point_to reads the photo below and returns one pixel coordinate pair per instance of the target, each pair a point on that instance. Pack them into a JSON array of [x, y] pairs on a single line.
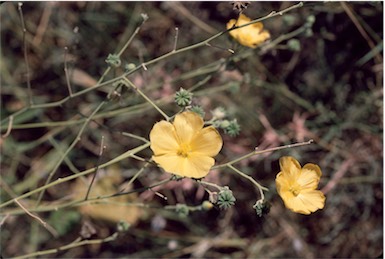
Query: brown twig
[[178, 7], [362, 31], [102, 147], [41, 29], [42, 222]]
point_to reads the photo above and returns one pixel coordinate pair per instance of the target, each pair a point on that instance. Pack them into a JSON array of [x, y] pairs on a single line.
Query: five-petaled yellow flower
[[251, 35], [297, 186], [185, 147]]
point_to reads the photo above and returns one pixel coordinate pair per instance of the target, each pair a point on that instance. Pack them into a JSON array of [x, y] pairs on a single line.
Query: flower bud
[[226, 198], [294, 45], [113, 60], [206, 205], [262, 207], [182, 210], [122, 226], [183, 98]]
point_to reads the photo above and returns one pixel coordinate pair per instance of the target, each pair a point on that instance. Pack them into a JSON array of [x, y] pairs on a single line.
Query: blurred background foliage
[[325, 84]]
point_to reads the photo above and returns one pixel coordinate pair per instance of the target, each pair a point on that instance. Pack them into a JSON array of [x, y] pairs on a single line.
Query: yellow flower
[[249, 36], [297, 186], [184, 147]]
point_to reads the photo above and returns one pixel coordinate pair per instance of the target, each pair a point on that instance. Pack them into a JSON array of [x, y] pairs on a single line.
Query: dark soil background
[[330, 90]]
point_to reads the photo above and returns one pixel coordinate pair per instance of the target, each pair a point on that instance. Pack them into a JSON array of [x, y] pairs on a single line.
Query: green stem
[[136, 175], [251, 179], [258, 152], [147, 99], [76, 140], [80, 202], [207, 41], [74, 244], [71, 177], [210, 184], [135, 137], [98, 85]]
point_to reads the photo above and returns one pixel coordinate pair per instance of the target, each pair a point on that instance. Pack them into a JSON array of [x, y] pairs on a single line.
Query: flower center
[[184, 150], [295, 189]]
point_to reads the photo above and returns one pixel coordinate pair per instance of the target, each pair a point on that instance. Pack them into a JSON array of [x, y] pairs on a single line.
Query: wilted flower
[[249, 36], [184, 147], [297, 186]]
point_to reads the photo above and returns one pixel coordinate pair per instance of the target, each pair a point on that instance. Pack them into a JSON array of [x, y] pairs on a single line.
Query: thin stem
[[62, 101], [122, 50], [251, 179], [68, 161], [257, 152], [66, 72], [9, 129], [42, 222], [190, 208], [25, 51], [71, 245], [125, 155], [144, 65], [80, 202], [135, 136], [102, 147], [362, 31], [147, 99], [136, 176], [205, 42], [76, 140], [210, 184], [218, 47], [176, 39], [131, 38]]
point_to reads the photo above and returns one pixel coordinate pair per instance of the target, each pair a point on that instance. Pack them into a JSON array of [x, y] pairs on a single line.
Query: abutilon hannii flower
[[251, 35], [297, 186], [185, 147]]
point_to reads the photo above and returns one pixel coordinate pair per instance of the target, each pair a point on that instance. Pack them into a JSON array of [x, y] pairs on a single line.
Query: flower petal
[[282, 183], [313, 167], [193, 166], [310, 176], [263, 36], [170, 162], [290, 167], [243, 19], [187, 124], [207, 142], [198, 166], [251, 35], [312, 200], [230, 25], [306, 202], [295, 205], [163, 138]]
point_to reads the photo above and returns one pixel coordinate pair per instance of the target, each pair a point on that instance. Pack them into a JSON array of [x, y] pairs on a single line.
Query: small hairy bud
[[226, 198], [199, 110], [182, 210], [233, 128], [262, 207], [113, 60], [183, 98], [122, 226]]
